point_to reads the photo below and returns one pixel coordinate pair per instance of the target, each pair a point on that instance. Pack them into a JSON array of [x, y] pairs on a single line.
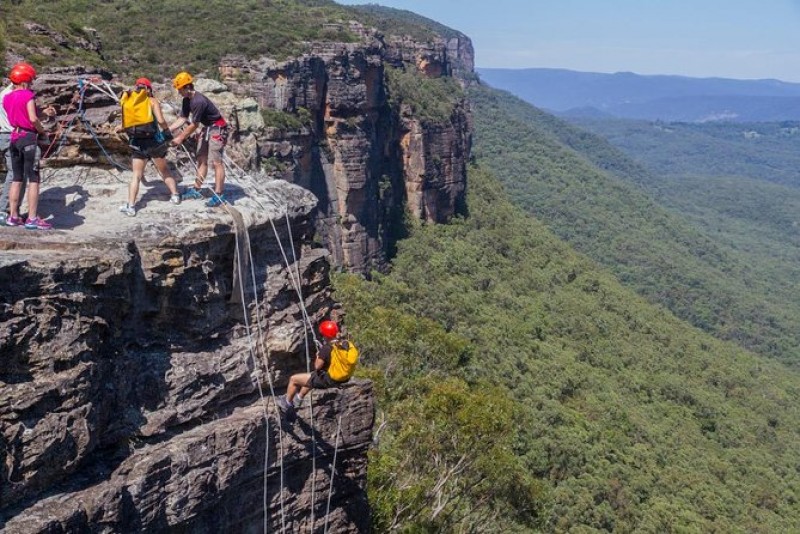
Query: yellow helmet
[[181, 80]]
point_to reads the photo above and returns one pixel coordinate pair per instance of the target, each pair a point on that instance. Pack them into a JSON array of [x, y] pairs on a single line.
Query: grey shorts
[[212, 144]]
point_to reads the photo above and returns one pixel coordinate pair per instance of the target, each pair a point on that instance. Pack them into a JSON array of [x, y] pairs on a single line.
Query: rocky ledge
[[135, 352]]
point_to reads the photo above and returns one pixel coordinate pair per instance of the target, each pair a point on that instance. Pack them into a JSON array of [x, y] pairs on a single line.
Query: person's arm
[[181, 137], [33, 117], [177, 123], [323, 357], [183, 117], [159, 114]]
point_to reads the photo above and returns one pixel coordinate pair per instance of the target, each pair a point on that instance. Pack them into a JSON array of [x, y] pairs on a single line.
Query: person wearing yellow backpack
[[141, 119], [334, 365]]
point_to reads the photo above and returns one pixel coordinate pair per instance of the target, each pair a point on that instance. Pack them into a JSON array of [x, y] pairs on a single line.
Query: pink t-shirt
[[16, 105]]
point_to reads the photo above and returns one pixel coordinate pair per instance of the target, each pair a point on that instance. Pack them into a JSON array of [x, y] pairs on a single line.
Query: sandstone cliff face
[[133, 351], [366, 162]]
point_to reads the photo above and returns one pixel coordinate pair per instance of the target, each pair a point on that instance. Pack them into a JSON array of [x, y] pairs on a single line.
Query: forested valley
[[574, 355]]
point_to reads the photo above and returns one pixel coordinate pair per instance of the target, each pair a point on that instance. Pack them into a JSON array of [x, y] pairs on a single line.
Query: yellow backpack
[[137, 115], [344, 357]]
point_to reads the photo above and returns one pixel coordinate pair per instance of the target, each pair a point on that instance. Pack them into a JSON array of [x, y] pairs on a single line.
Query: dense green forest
[[767, 151], [593, 196], [744, 190], [522, 388], [162, 35]]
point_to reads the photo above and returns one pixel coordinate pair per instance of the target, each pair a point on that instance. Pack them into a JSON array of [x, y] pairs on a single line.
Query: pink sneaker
[[14, 221], [38, 224]]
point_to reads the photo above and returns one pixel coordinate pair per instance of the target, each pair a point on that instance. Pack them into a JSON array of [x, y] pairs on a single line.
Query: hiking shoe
[[128, 210], [37, 223], [14, 221], [216, 200], [175, 199], [191, 194], [284, 405], [298, 401]]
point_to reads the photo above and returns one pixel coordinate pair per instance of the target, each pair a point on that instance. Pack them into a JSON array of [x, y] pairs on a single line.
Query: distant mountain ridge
[[661, 97]]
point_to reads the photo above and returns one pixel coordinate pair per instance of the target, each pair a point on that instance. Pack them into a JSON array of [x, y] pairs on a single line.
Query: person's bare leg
[[138, 173], [13, 198], [296, 382], [166, 175], [202, 170], [33, 200], [219, 177]]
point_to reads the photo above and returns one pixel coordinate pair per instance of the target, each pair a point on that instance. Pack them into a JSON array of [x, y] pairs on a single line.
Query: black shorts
[[25, 156], [321, 380], [148, 147]]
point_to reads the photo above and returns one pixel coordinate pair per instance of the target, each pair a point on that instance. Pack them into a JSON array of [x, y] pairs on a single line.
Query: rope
[[62, 126], [264, 352], [308, 368], [296, 284], [309, 328], [333, 473], [255, 365], [80, 115]]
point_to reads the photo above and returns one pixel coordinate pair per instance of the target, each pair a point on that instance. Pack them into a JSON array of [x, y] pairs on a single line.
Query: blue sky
[[701, 38]]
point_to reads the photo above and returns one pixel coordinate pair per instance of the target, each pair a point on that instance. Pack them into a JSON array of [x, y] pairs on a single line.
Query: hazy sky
[[726, 38]]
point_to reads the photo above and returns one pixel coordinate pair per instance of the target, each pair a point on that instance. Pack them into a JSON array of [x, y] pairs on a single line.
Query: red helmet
[[22, 73], [328, 329], [144, 82]]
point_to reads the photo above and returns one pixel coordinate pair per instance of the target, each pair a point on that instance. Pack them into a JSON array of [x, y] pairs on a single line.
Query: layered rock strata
[[134, 355], [366, 161]]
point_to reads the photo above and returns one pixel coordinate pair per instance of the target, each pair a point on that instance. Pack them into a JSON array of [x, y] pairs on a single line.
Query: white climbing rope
[[295, 280], [252, 352], [333, 472]]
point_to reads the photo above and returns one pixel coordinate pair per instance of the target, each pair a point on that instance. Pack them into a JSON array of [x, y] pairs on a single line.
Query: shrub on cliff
[[431, 100], [163, 36]]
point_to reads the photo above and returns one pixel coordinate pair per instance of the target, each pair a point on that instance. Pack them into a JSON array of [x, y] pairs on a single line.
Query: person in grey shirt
[[5, 142]]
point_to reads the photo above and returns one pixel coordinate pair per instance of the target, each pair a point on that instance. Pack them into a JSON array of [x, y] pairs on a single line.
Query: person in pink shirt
[[22, 114]]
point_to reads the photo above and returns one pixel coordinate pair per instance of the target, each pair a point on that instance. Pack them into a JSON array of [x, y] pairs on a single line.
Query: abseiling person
[[334, 365]]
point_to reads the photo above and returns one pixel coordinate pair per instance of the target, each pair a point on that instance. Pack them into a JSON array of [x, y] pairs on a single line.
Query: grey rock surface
[[135, 351]]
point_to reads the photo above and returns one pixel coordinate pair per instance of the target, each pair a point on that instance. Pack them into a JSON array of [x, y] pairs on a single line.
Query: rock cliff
[[366, 161], [135, 353], [139, 355]]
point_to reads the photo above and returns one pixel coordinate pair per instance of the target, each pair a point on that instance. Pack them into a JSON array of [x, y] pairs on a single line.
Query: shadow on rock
[[64, 204]]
